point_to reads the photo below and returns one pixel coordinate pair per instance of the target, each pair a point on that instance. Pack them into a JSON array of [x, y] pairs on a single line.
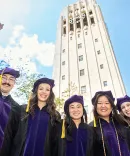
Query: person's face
[[43, 92], [8, 82], [103, 107], [125, 107], [76, 110]]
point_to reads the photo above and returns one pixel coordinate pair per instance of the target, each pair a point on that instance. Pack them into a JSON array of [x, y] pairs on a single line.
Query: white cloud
[[11, 13], [17, 32], [11, 10], [22, 48]]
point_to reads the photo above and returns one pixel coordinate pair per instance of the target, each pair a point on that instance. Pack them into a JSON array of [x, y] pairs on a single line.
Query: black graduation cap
[[74, 98], [43, 80], [108, 93], [10, 71], [122, 100]]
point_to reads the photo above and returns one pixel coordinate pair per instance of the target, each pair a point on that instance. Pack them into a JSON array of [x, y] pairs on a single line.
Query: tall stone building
[[84, 54]]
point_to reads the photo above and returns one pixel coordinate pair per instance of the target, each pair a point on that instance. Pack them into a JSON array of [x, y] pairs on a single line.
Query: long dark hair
[[126, 118], [69, 123], [51, 106], [114, 114]]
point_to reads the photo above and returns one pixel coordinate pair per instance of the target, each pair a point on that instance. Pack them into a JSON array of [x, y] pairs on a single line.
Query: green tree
[[25, 84], [59, 103], [26, 80], [71, 90]]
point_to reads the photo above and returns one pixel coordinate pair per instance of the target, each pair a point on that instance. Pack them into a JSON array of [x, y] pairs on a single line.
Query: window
[[86, 33], [92, 20], [98, 52], [105, 83], [78, 35], [81, 58], [63, 50], [78, 23], [82, 7], [79, 45], [64, 21], [90, 12], [85, 22], [64, 30], [63, 77], [63, 63], [83, 89], [63, 93], [81, 72], [71, 24], [96, 40], [101, 66]]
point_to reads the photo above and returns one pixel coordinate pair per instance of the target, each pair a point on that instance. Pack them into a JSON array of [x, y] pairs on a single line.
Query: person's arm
[[11, 130]]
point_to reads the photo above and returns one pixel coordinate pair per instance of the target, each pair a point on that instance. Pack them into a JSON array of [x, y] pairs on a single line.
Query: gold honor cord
[[103, 138], [117, 137]]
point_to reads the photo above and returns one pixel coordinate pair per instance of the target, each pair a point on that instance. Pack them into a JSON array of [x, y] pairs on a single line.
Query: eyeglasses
[[11, 80]]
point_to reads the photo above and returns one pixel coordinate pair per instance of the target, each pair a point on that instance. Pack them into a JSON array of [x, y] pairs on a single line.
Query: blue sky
[[30, 28]]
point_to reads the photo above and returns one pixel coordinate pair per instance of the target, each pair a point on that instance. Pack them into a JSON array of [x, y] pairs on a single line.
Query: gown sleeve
[[11, 129]]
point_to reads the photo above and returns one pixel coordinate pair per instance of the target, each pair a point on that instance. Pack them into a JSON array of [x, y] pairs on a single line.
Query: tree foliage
[[25, 85], [71, 90], [26, 80]]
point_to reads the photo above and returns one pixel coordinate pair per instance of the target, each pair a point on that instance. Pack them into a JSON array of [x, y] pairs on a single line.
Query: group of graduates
[[36, 129]]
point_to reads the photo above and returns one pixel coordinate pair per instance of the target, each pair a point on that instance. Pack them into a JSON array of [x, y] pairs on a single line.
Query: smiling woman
[[112, 137], [35, 136], [123, 105], [76, 137], [43, 94]]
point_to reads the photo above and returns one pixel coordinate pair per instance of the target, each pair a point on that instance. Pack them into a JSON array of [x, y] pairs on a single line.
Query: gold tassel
[[28, 105], [0, 80], [63, 129], [94, 122], [1, 76]]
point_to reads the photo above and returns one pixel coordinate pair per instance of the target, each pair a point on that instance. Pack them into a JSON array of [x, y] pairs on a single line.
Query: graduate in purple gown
[[77, 138], [111, 139], [123, 105], [38, 129], [9, 111]]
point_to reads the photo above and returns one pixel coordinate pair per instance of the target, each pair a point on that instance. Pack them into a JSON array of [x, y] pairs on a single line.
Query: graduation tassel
[[94, 122], [1, 77], [0, 80], [63, 129], [28, 105]]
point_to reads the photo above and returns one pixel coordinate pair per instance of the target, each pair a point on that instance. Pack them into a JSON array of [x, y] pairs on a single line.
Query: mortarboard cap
[[122, 100], [74, 98], [108, 93], [10, 71], [43, 80]]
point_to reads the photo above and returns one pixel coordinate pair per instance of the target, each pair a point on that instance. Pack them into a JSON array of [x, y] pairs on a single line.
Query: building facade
[[84, 54]]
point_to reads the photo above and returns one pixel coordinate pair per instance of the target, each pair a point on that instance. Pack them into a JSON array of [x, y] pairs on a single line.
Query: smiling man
[[9, 110]]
